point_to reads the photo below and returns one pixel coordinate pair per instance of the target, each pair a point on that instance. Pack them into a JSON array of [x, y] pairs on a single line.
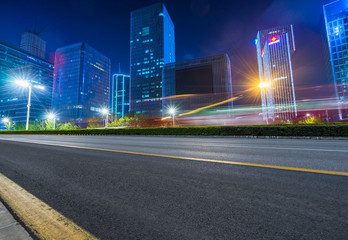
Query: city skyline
[[173, 119], [216, 31]]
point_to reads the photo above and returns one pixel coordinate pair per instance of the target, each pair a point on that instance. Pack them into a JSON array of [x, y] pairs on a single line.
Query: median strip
[[40, 218], [201, 159]]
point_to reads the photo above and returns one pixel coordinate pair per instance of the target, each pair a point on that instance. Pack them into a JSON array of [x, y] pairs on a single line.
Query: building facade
[[152, 46], [197, 83], [15, 65], [81, 85], [336, 20], [32, 43], [275, 48], [120, 89]]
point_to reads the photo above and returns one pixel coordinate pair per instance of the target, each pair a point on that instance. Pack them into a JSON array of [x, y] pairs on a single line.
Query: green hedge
[[339, 130]]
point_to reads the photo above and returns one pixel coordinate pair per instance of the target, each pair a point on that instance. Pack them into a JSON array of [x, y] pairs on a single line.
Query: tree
[[19, 126], [9, 125], [67, 126], [34, 126], [311, 120], [121, 122], [37, 125], [41, 125], [49, 124], [130, 120], [135, 120], [94, 122]]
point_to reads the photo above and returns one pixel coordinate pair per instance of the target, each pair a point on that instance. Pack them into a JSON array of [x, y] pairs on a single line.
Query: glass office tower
[[152, 45], [81, 83], [120, 94], [336, 20], [197, 83], [15, 65], [275, 47], [33, 44]]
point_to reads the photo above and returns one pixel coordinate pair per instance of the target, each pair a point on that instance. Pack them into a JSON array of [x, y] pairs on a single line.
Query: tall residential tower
[[336, 20], [152, 46], [120, 94], [81, 83], [32, 43], [275, 47]]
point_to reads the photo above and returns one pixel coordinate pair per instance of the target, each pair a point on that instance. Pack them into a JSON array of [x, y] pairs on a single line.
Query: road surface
[[184, 187]]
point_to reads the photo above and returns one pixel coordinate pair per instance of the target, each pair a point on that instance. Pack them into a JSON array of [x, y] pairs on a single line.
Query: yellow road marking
[[206, 160], [41, 219]]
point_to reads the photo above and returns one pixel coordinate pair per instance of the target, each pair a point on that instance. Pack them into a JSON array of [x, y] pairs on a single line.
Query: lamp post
[[105, 112], [263, 86], [6, 121], [172, 112], [52, 116], [29, 85]]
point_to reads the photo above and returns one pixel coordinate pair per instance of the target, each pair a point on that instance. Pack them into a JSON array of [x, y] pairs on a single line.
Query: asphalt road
[[128, 196]]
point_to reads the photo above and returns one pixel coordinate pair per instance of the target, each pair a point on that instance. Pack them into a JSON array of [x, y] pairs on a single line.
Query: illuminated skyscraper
[[33, 44], [275, 47], [15, 65], [120, 94], [336, 20], [152, 45], [81, 83]]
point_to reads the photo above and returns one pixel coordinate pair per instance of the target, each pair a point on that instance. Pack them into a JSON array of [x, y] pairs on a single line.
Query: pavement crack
[[8, 225]]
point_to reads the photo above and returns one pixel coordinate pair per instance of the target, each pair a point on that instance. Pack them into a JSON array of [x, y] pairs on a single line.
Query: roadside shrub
[[323, 130]]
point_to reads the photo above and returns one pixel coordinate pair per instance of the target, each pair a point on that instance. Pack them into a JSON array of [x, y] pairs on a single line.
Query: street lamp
[[6, 120], [172, 112], [264, 85], [105, 112], [29, 85], [52, 116]]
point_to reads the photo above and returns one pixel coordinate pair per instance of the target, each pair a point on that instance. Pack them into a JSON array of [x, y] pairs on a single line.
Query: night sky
[[202, 27]]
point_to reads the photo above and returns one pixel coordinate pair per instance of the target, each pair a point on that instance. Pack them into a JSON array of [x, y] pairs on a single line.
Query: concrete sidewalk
[[10, 229]]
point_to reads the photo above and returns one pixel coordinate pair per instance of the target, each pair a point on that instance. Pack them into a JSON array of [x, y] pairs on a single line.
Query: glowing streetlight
[[6, 120], [52, 116], [172, 112], [105, 112], [264, 85], [8, 123], [22, 83], [29, 85]]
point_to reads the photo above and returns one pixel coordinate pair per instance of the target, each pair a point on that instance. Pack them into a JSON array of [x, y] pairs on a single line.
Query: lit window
[[146, 31]]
